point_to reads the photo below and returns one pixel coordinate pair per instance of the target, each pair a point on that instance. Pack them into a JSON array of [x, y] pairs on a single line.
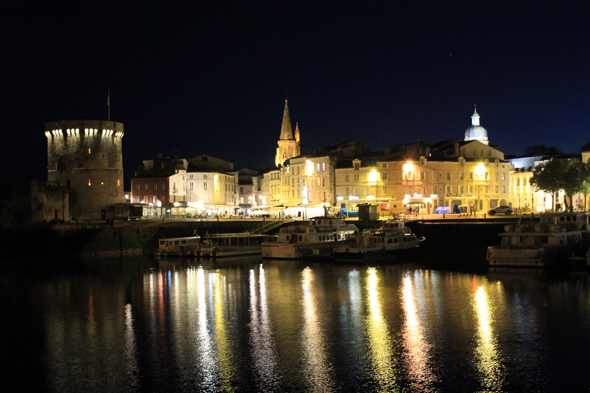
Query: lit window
[[145, 186], [89, 151], [155, 187], [503, 176], [154, 199], [89, 183], [163, 186], [118, 183]]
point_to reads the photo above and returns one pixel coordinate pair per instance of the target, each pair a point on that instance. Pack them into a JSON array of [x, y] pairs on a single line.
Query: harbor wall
[[442, 238]]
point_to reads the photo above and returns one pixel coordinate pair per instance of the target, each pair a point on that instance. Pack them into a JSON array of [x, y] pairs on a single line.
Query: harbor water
[[135, 324]]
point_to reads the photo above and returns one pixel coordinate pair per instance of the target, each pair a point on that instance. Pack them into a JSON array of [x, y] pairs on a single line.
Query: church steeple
[[286, 131], [288, 146]]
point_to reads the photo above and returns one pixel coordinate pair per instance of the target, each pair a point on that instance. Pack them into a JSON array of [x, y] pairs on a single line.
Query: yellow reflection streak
[[316, 367], [417, 348], [384, 366], [223, 345], [486, 352], [262, 343]]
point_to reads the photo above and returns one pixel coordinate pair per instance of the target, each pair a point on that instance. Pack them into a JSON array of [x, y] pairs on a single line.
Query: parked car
[[501, 209]]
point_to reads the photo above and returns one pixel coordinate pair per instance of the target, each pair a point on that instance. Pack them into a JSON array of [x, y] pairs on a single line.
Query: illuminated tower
[[85, 156], [288, 146], [476, 132]]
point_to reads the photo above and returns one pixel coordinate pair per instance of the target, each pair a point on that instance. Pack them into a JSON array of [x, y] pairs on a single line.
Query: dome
[[476, 132]]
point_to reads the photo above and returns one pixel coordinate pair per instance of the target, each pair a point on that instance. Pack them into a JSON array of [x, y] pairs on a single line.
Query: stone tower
[[85, 156], [288, 146]]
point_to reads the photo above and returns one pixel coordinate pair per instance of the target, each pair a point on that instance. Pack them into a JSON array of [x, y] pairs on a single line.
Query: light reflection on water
[[487, 354], [289, 326], [316, 367], [384, 368]]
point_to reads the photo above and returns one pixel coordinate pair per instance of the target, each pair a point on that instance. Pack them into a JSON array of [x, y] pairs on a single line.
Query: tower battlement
[[86, 156]]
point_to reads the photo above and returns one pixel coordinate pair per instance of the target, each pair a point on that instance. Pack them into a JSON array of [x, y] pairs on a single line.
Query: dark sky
[[212, 80]]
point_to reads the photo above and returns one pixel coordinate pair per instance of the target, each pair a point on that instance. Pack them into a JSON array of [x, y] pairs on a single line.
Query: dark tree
[[541, 150]]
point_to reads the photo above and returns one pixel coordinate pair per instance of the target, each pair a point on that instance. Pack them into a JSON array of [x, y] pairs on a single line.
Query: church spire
[[297, 136], [286, 131]]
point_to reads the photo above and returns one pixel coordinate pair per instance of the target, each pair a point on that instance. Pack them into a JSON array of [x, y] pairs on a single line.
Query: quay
[[452, 235]]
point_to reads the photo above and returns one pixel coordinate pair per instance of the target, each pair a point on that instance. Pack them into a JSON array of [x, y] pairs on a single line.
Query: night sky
[[212, 80]]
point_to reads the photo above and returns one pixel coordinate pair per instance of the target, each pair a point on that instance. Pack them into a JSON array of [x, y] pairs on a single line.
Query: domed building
[[476, 132]]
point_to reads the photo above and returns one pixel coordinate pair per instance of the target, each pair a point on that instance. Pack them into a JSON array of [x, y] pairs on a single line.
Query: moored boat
[[317, 238], [179, 247], [390, 240], [232, 244], [549, 242]]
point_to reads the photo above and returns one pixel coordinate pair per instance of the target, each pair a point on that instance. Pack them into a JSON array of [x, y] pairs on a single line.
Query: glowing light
[[176, 204], [406, 200], [339, 198], [373, 175], [409, 167], [309, 165], [353, 197], [480, 170], [427, 200]]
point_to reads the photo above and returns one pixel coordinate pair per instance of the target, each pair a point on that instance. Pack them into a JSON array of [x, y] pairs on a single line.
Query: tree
[[569, 175], [541, 150]]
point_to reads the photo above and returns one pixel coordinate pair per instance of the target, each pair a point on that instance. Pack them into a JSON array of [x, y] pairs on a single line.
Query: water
[[247, 325]]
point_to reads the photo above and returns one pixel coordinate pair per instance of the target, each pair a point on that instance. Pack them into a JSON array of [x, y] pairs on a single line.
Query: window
[[410, 175], [89, 182], [323, 182], [496, 176], [145, 200], [204, 158], [163, 186], [190, 176], [496, 189], [434, 189], [460, 190], [155, 199], [318, 167], [448, 175], [487, 175], [384, 176], [346, 178], [323, 167], [384, 165], [204, 176], [503, 178], [190, 185], [347, 191], [137, 200], [357, 165], [448, 189], [164, 199], [470, 189], [145, 186], [137, 187], [356, 178], [155, 186], [422, 175], [503, 189], [518, 182], [487, 189], [470, 175], [89, 151]]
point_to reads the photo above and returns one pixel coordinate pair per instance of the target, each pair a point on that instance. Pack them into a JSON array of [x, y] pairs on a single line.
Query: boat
[[318, 238], [212, 246], [179, 247], [232, 244], [392, 239], [549, 242]]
